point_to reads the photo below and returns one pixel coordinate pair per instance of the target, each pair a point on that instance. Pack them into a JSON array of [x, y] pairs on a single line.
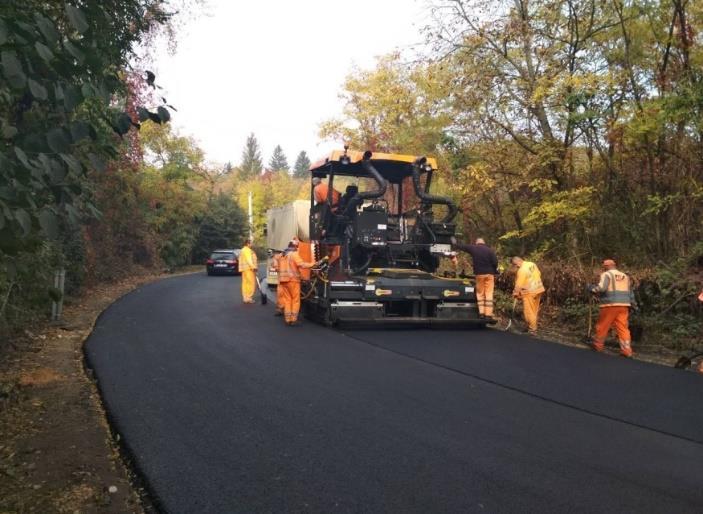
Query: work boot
[[491, 320], [278, 313], [597, 347]]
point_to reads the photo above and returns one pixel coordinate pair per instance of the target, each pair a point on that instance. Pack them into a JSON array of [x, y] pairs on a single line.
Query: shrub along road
[[226, 410]]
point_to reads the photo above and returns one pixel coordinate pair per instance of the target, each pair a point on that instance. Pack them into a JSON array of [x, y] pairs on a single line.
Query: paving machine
[[383, 234]]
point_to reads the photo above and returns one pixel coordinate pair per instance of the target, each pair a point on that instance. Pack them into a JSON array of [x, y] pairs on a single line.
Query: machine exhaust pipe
[[376, 193], [432, 199]]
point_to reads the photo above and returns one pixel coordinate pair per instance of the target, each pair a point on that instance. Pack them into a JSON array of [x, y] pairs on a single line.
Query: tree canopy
[[302, 165], [251, 165]]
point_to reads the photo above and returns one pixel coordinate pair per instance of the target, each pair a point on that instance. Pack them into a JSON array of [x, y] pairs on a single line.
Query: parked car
[[223, 262]]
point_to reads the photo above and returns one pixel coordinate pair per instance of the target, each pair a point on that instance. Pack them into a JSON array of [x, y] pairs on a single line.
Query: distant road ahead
[[226, 410]]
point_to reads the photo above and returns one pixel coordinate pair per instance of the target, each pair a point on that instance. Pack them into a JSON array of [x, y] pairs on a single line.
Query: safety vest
[[288, 269], [529, 279], [615, 289], [247, 259]]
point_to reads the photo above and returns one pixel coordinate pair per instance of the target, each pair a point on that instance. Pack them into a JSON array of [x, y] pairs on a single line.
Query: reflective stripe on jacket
[[247, 259], [529, 279], [615, 289]]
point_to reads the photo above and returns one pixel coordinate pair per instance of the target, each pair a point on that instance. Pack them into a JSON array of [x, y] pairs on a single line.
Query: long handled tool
[[587, 339], [512, 315], [264, 298]]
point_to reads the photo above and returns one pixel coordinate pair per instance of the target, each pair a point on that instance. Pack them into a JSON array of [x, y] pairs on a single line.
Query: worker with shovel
[[248, 267], [616, 299]]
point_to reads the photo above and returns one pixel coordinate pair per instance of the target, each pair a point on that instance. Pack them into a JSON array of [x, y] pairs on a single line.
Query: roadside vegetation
[[568, 132]]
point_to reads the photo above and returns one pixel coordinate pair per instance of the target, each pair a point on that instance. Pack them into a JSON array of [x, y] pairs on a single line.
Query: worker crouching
[[289, 266], [616, 300]]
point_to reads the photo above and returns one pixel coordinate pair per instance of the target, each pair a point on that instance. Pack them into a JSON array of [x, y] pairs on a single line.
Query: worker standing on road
[[321, 191], [248, 267], [289, 282], [528, 288], [485, 264], [616, 300]]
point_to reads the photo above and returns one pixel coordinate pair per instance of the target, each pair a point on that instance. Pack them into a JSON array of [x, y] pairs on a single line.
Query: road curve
[[226, 410]]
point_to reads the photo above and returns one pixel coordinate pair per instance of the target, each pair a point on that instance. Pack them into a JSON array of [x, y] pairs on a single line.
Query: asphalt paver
[[224, 409]]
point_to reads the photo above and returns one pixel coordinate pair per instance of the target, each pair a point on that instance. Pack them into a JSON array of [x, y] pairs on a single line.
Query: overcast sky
[[275, 68]]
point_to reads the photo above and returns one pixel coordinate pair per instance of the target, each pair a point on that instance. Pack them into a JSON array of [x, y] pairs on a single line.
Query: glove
[[591, 289], [453, 240]]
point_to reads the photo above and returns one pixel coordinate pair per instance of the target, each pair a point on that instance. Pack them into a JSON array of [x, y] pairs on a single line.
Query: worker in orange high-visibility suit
[[248, 265], [275, 266], [616, 300], [320, 192], [289, 282], [528, 288]]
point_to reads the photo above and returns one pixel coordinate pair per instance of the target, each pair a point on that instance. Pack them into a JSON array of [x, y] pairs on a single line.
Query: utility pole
[[251, 218]]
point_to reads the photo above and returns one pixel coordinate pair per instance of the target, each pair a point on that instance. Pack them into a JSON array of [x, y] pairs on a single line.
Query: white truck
[[283, 224]]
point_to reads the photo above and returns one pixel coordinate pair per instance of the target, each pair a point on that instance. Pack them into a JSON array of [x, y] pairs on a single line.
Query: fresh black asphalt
[[224, 409]]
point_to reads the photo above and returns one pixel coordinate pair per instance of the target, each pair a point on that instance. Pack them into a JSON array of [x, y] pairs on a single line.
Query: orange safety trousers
[[530, 309], [248, 285], [291, 300], [609, 316], [484, 294]]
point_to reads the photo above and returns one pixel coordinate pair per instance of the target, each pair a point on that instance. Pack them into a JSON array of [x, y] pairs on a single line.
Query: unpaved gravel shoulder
[[56, 450]]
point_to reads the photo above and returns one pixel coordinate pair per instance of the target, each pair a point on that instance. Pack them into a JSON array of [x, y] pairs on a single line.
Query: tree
[[252, 165], [392, 108], [224, 225], [278, 161], [302, 165]]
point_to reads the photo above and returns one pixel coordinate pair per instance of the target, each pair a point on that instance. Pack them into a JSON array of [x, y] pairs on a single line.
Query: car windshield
[[223, 256]]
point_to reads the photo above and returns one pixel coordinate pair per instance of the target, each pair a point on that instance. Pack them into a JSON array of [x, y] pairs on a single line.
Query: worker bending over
[[248, 267], [485, 264], [528, 288], [616, 299], [289, 267], [321, 191]]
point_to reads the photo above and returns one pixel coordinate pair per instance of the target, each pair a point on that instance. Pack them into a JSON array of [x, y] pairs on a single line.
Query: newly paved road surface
[[226, 410]]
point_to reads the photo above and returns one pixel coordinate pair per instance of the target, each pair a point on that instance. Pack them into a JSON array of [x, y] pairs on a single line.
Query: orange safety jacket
[[615, 289], [322, 190], [247, 259], [289, 267], [529, 279]]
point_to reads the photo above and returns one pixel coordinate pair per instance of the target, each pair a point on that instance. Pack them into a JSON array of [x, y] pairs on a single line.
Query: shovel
[[512, 315], [264, 298]]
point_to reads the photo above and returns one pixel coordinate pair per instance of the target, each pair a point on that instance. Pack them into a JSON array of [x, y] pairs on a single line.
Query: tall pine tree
[[278, 161], [302, 165], [252, 165]]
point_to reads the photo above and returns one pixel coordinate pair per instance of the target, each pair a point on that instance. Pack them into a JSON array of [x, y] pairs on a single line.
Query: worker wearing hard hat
[[528, 288], [616, 300], [321, 192], [485, 263], [289, 267], [247, 267]]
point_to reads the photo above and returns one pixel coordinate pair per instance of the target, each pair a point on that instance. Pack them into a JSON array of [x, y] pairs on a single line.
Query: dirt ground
[[56, 450]]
